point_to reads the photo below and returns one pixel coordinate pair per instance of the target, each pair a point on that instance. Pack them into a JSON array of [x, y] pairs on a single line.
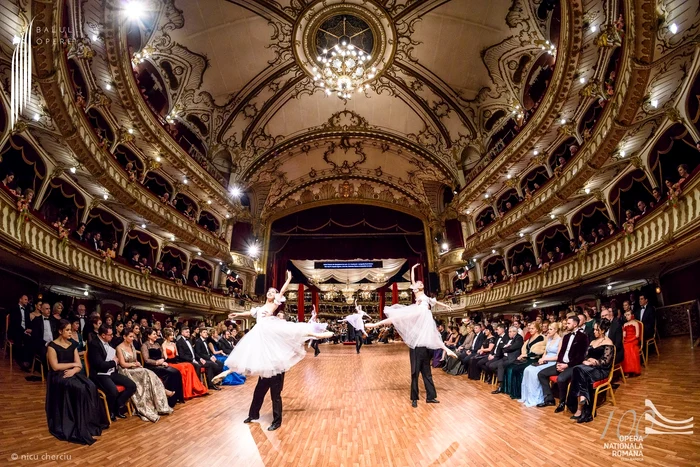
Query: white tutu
[[415, 325], [355, 320], [271, 347]]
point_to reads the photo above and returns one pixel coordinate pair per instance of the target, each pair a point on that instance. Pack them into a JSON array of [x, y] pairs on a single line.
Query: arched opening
[[484, 218], [521, 255], [534, 179], [628, 192], [172, 257], [503, 137], [494, 267], [152, 88], [674, 148], [20, 159], [493, 119], [590, 118], [157, 184], [552, 238], [508, 201], [125, 156], [470, 157], [611, 73], [208, 221], [563, 153], [185, 205], [538, 81], [590, 218], [80, 88], [62, 201], [138, 241], [453, 234], [693, 105], [202, 270], [101, 127], [189, 142], [106, 224]]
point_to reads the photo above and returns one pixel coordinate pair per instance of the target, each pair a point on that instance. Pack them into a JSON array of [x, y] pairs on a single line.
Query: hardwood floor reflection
[[343, 409]]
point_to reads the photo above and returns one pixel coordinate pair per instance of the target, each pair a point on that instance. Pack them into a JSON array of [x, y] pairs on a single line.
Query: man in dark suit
[[225, 342], [465, 355], [647, 315], [614, 333], [194, 282], [497, 351], [19, 331], [201, 351], [186, 353], [44, 330], [510, 352], [573, 351], [183, 277], [102, 359], [172, 274], [82, 317]]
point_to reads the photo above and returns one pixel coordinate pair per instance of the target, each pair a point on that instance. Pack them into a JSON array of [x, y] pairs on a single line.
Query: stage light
[[673, 28], [73, 170], [609, 287], [143, 226], [228, 271], [445, 246], [253, 250], [85, 293], [133, 9], [235, 192]]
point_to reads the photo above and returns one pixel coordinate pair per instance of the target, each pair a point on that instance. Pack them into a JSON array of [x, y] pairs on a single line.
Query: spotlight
[[73, 170], [85, 293], [235, 192], [133, 9], [253, 250], [673, 28], [445, 246], [609, 287], [143, 226]]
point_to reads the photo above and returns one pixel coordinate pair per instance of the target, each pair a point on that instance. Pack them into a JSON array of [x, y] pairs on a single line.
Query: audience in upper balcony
[[159, 270], [135, 260], [656, 193], [79, 233]]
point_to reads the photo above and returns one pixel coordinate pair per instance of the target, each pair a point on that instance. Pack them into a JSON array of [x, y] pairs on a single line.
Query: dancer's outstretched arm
[[242, 314], [286, 284], [413, 276], [384, 322]]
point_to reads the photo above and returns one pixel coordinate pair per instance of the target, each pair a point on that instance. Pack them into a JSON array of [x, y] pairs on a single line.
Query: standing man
[[647, 315], [82, 317], [44, 330], [20, 333]]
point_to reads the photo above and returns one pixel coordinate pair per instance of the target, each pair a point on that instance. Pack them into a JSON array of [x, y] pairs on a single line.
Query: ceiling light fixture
[[235, 192], [655, 103], [587, 190], [486, 195], [85, 293], [143, 226], [552, 216], [172, 238], [208, 201], [184, 180], [108, 87], [535, 152], [228, 215], [623, 153], [253, 250], [158, 159], [609, 287], [105, 196], [509, 176], [94, 37], [493, 252], [445, 246], [522, 235], [199, 253], [130, 131], [73, 170], [343, 67], [673, 28], [36, 117], [469, 212], [563, 121], [582, 80], [594, 28], [133, 9]]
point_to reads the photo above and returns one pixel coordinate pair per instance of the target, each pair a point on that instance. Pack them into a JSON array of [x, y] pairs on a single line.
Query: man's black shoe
[[549, 403], [274, 426], [432, 401], [499, 390], [414, 403], [560, 407], [249, 420]]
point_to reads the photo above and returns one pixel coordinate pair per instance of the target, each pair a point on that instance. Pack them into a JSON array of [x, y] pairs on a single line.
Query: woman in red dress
[[631, 331], [191, 385]]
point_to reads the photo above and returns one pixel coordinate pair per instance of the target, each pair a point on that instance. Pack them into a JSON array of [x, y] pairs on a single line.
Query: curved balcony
[[32, 239], [143, 117], [72, 123], [613, 125], [655, 236]]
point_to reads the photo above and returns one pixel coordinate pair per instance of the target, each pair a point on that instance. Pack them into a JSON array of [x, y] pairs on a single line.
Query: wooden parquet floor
[[343, 409]]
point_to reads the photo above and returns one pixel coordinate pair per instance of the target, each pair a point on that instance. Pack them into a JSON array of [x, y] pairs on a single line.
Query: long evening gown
[[170, 376], [232, 379], [584, 376], [149, 399], [530, 390], [513, 378], [415, 323], [631, 364], [72, 407], [191, 384], [473, 370]]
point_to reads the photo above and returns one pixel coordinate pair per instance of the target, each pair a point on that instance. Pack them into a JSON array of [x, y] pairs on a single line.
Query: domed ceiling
[[449, 74]]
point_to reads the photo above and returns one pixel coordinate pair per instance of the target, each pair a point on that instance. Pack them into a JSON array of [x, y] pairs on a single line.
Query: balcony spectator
[[79, 234], [7, 182], [528, 266], [159, 270], [172, 273], [656, 193], [684, 175], [194, 282], [165, 199], [550, 257], [594, 237], [558, 254], [601, 234], [134, 261], [144, 265], [642, 207], [612, 228]]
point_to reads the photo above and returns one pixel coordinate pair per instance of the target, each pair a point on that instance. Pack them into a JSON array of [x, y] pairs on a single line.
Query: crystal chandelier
[[343, 68]]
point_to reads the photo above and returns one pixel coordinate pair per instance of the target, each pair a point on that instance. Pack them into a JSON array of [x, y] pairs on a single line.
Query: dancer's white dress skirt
[[355, 320], [415, 324], [272, 346]]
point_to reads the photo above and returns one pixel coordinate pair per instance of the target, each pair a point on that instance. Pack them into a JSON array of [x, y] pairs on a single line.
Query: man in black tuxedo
[[44, 330], [186, 353], [465, 355], [183, 277], [497, 351], [82, 317], [19, 331], [172, 274], [210, 363], [510, 352], [102, 359], [573, 351], [614, 334], [225, 342], [647, 315]]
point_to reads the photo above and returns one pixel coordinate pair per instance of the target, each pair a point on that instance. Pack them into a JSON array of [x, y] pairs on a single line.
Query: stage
[[344, 409]]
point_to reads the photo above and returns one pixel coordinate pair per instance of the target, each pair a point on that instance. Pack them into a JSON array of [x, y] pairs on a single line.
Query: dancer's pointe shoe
[[220, 377]]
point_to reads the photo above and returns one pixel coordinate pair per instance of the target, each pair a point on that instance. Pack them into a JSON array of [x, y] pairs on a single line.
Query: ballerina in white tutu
[[417, 328], [319, 327], [355, 320], [269, 349]]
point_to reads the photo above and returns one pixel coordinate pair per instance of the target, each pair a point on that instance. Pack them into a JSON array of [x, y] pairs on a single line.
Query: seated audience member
[[183, 277], [550, 257], [459, 365], [90, 330], [508, 354], [683, 174], [226, 342], [612, 228], [79, 234], [531, 351], [136, 329], [642, 207], [7, 181], [615, 333], [631, 338], [558, 254], [213, 342], [144, 265], [572, 353], [159, 270], [165, 199], [601, 234], [95, 244], [201, 350], [134, 261], [203, 284], [172, 273], [187, 353], [496, 351], [44, 330], [151, 398], [154, 360], [531, 391], [482, 353], [594, 237], [118, 334], [596, 367], [76, 335], [102, 359], [72, 406], [658, 197], [191, 384]]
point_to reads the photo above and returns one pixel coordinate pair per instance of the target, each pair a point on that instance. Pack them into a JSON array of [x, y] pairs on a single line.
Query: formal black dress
[[584, 376], [171, 377], [72, 406], [473, 370], [513, 378]]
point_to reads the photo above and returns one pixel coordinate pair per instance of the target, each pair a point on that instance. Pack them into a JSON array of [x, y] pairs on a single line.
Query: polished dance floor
[[343, 409]]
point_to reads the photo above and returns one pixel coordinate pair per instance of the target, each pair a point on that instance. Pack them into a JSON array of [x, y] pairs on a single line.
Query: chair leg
[[595, 403], [612, 396], [104, 399], [129, 408], [622, 372]]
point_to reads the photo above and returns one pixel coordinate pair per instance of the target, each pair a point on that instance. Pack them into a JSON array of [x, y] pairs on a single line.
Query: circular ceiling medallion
[[362, 25]]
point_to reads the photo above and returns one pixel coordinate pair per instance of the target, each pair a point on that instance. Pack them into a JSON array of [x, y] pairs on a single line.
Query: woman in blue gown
[[232, 379], [531, 391]]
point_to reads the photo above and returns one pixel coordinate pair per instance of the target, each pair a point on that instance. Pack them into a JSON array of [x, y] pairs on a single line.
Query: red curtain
[[382, 303], [314, 299], [300, 304], [394, 293]]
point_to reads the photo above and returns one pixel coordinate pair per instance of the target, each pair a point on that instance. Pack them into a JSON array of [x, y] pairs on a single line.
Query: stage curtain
[[300, 304], [391, 267]]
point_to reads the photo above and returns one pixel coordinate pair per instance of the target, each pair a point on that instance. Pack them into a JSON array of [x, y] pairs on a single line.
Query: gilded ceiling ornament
[[568, 129], [609, 36], [346, 189], [124, 136], [346, 167], [81, 49]]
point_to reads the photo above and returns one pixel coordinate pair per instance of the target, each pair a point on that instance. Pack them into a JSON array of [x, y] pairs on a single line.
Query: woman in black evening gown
[[596, 367], [155, 361], [530, 353], [473, 369], [72, 406]]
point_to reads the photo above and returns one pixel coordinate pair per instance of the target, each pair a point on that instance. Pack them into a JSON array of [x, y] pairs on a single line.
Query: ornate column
[[535, 249], [300, 304], [122, 243], [600, 196], [565, 222], [39, 198], [93, 204]]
